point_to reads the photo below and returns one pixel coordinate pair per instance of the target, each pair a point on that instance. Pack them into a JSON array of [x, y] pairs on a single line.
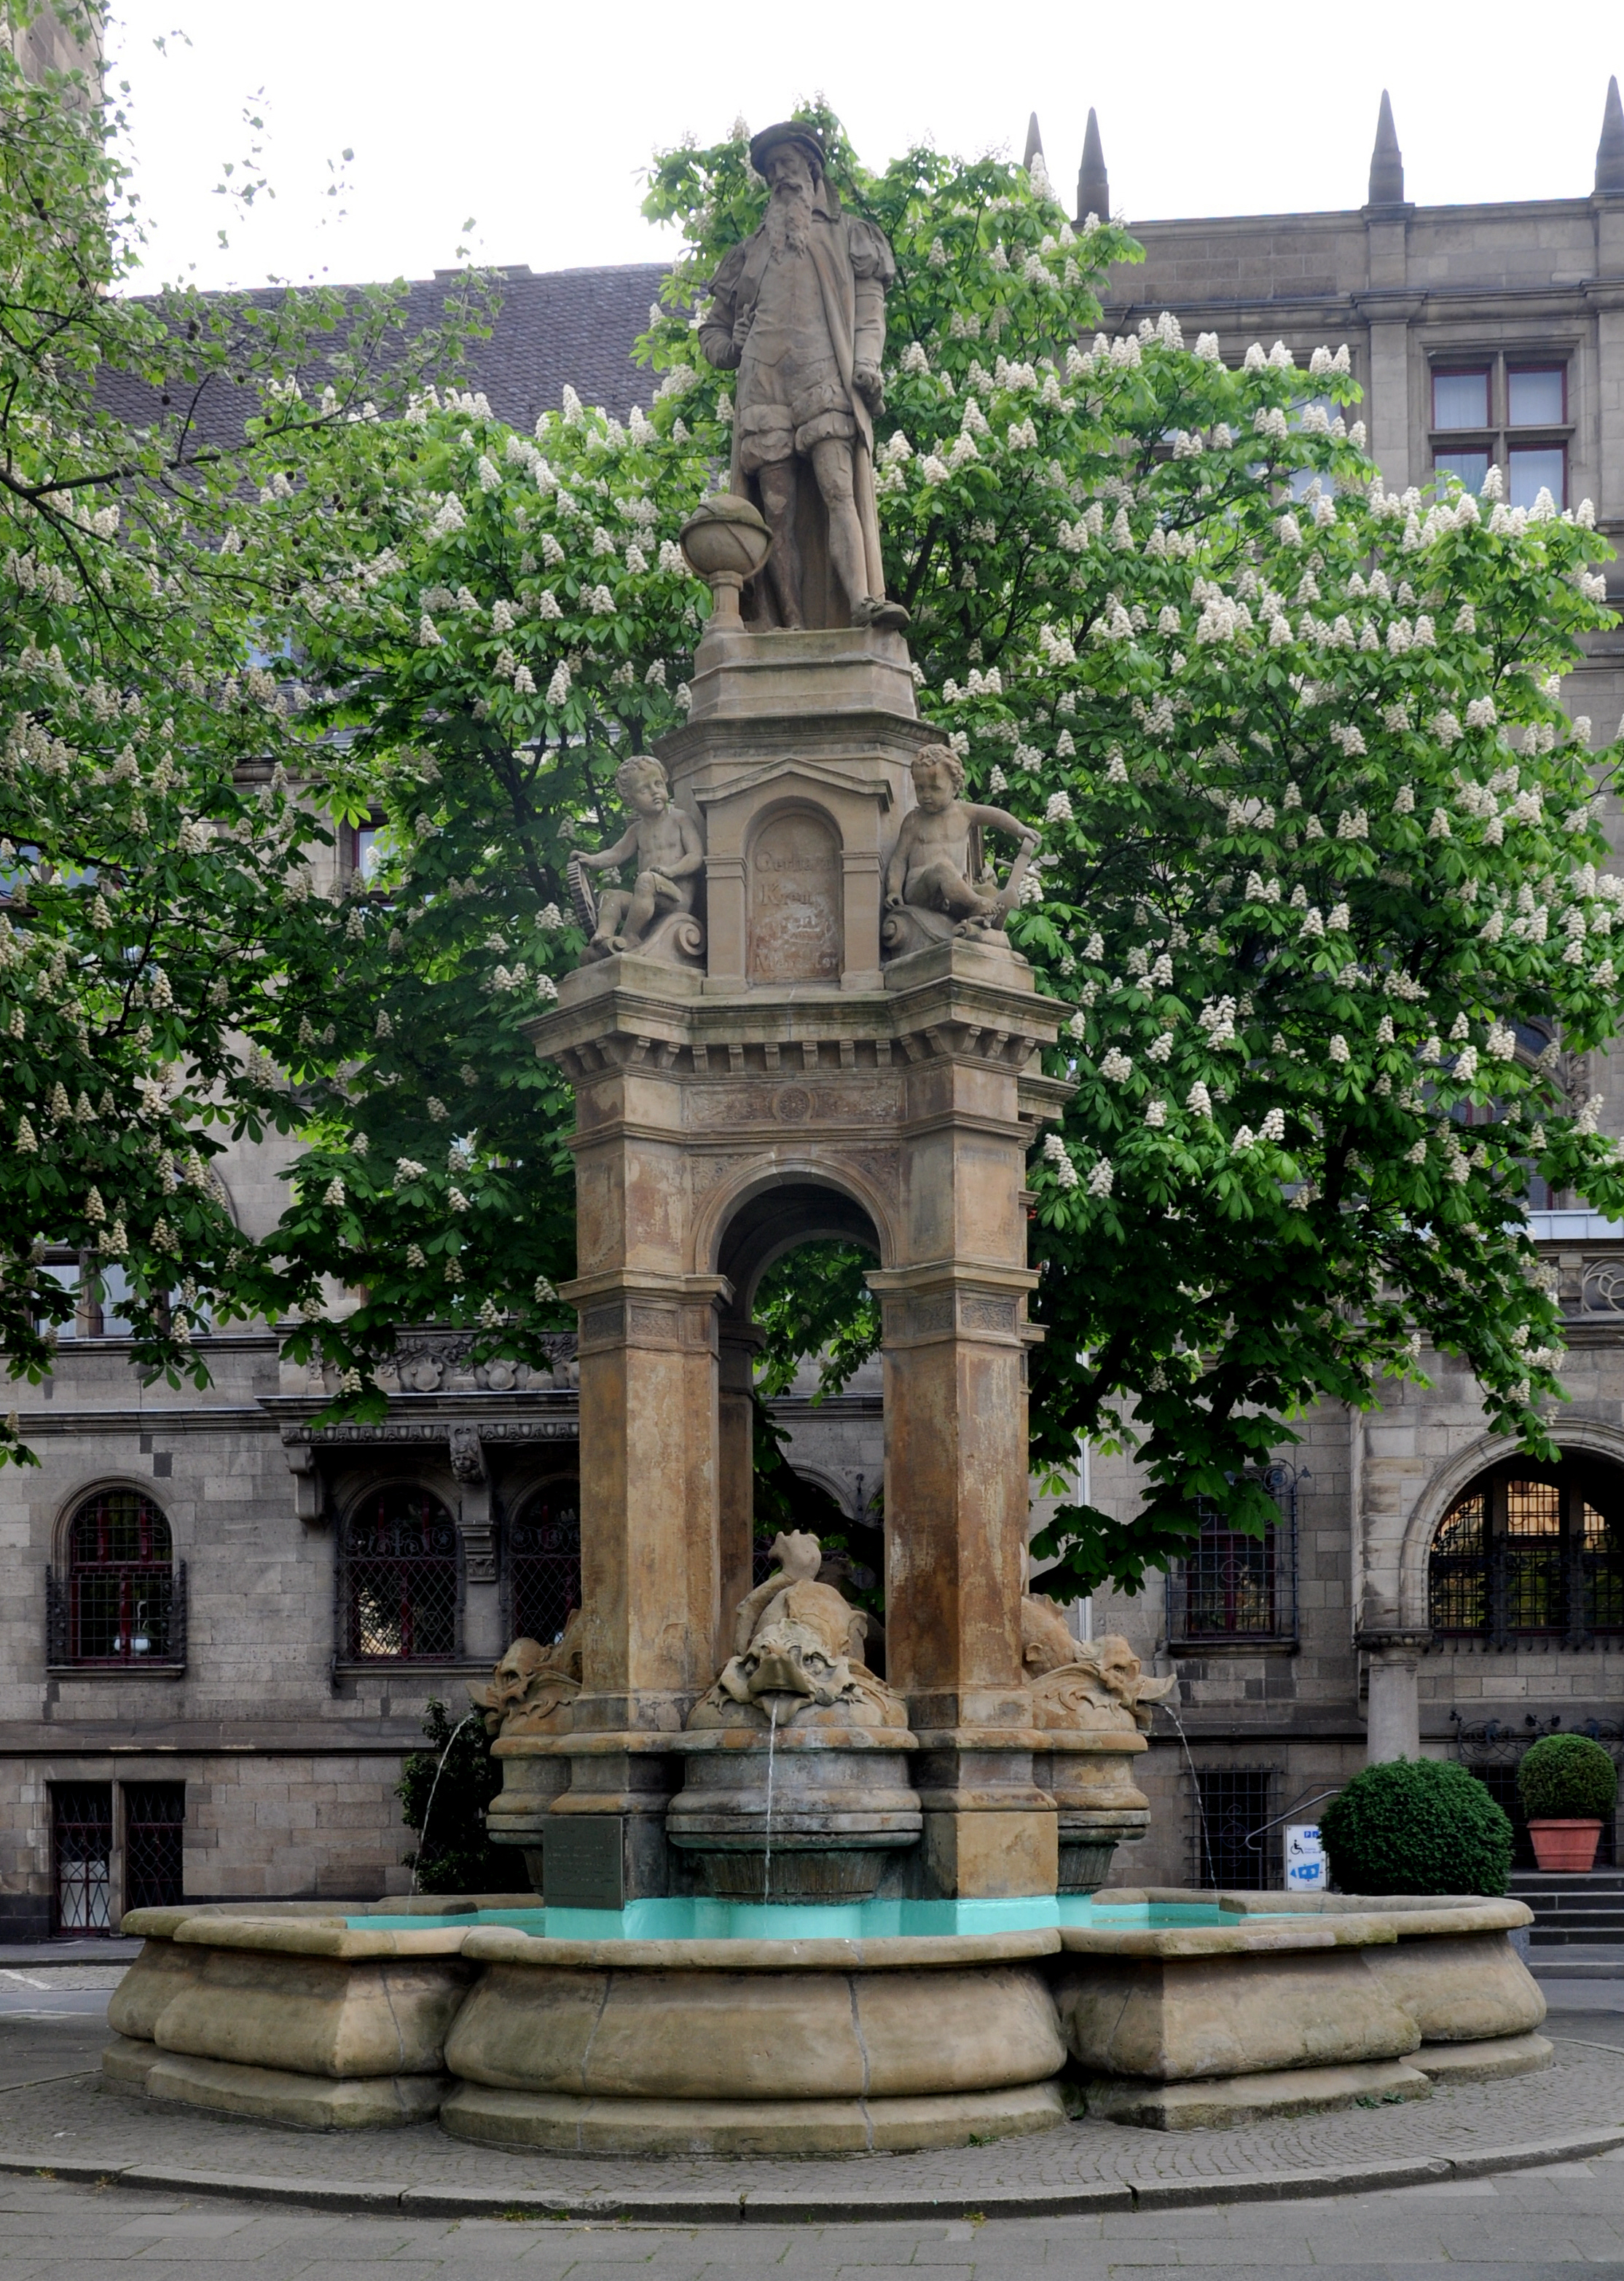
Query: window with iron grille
[[544, 1564], [1530, 1551], [81, 1858], [398, 1592], [123, 1603], [1233, 1586], [1231, 1848], [154, 1830]]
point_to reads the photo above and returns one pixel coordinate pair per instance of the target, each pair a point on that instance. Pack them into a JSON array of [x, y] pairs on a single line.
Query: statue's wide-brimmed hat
[[794, 131]]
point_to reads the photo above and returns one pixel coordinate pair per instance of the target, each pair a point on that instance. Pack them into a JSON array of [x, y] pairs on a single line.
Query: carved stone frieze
[[394, 1432], [858, 1101]]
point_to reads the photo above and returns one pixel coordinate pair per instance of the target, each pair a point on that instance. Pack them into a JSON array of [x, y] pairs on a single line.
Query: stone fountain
[[778, 1902]]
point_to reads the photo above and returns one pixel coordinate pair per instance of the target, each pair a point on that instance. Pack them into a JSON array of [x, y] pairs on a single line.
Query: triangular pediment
[[822, 775]]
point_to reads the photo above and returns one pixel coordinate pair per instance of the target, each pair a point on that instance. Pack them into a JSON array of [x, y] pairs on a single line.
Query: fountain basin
[[704, 2026], [755, 2046]]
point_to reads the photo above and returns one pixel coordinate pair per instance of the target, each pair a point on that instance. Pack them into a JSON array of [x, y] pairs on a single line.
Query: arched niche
[[795, 914]]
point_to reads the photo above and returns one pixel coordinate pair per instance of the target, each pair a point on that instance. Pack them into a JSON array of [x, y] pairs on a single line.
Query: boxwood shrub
[[1568, 1778], [1417, 1826]]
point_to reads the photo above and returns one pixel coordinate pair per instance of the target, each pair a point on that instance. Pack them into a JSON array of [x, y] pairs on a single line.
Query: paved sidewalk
[[1528, 2225], [56, 2117]]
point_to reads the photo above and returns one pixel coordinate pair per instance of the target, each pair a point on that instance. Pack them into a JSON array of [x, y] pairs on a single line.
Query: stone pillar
[[482, 1599], [1393, 1712], [956, 1481], [650, 1575], [740, 1343]]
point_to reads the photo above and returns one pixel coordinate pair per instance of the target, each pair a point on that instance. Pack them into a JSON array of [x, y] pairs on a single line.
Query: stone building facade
[[218, 1629]]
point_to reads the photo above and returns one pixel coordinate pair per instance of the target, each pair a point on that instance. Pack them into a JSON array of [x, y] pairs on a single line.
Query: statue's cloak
[[853, 266]]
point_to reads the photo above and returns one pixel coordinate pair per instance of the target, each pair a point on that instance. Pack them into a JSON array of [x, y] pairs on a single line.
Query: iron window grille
[[1494, 1751], [1235, 1844], [1531, 1552], [542, 1569], [81, 1858], [123, 1604], [154, 1830], [1237, 1588], [400, 1593]]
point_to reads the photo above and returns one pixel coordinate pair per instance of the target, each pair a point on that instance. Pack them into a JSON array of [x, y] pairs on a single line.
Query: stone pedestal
[[802, 1088]]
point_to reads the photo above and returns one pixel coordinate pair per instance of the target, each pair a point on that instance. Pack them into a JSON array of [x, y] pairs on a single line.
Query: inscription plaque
[[582, 1862], [795, 901]]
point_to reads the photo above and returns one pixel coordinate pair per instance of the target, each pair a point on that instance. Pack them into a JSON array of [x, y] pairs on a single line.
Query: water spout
[[772, 1745], [423, 1835], [1200, 1809]]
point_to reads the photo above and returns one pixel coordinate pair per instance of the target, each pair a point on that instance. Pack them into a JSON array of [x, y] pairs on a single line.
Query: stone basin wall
[[818, 2046]]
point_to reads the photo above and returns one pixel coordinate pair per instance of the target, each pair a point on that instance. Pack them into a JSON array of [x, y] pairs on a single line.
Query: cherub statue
[[936, 882], [665, 845], [533, 1686], [1085, 1683], [798, 1650]]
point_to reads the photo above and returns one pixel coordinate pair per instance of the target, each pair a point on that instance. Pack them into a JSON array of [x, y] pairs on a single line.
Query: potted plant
[[1567, 1783]]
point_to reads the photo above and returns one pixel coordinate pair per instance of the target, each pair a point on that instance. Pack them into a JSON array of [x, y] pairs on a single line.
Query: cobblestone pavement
[[55, 2114], [1526, 2226]]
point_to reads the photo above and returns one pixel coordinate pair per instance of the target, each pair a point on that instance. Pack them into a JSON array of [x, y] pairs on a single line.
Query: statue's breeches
[[788, 402]]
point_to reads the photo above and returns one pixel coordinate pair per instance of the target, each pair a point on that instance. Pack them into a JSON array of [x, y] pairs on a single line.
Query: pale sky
[[535, 119]]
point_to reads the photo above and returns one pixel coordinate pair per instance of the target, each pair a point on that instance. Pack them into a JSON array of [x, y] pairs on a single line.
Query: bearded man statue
[[799, 312]]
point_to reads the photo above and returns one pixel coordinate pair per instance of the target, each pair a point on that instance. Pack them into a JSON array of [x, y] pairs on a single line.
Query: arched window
[[544, 1564], [399, 1591], [1532, 1552], [125, 1599]]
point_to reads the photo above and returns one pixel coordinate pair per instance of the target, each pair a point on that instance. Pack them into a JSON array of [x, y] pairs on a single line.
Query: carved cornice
[[393, 1432]]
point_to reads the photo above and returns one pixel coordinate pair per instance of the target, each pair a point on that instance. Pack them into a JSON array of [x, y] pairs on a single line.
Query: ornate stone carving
[[468, 1458], [532, 1689], [796, 925], [439, 1362], [1084, 1684], [799, 312], [654, 916], [1091, 1699], [798, 1656], [937, 882]]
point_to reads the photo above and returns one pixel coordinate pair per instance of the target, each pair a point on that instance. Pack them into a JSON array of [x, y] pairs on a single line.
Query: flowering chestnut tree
[[1321, 883], [153, 854]]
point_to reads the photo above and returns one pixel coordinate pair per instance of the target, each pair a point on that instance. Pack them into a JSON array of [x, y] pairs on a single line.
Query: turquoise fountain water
[[675, 1919]]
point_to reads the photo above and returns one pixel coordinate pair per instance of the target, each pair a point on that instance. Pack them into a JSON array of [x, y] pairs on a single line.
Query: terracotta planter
[[1568, 1846]]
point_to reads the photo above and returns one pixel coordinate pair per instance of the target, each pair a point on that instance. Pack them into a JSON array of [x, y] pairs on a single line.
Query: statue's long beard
[[789, 221]]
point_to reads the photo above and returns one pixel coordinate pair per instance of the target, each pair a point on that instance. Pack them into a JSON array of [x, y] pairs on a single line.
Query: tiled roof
[[556, 327], [563, 327]]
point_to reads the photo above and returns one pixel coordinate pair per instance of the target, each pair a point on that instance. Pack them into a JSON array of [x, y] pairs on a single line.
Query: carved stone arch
[[102, 1485], [1571, 1432], [809, 1199], [821, 1478], [359, 1479]]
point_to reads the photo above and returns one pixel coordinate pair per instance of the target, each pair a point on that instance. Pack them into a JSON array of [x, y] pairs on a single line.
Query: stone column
[[1393, 1712], [955, 1539], [482, 1599], [650, 1575], [740, 1343]]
